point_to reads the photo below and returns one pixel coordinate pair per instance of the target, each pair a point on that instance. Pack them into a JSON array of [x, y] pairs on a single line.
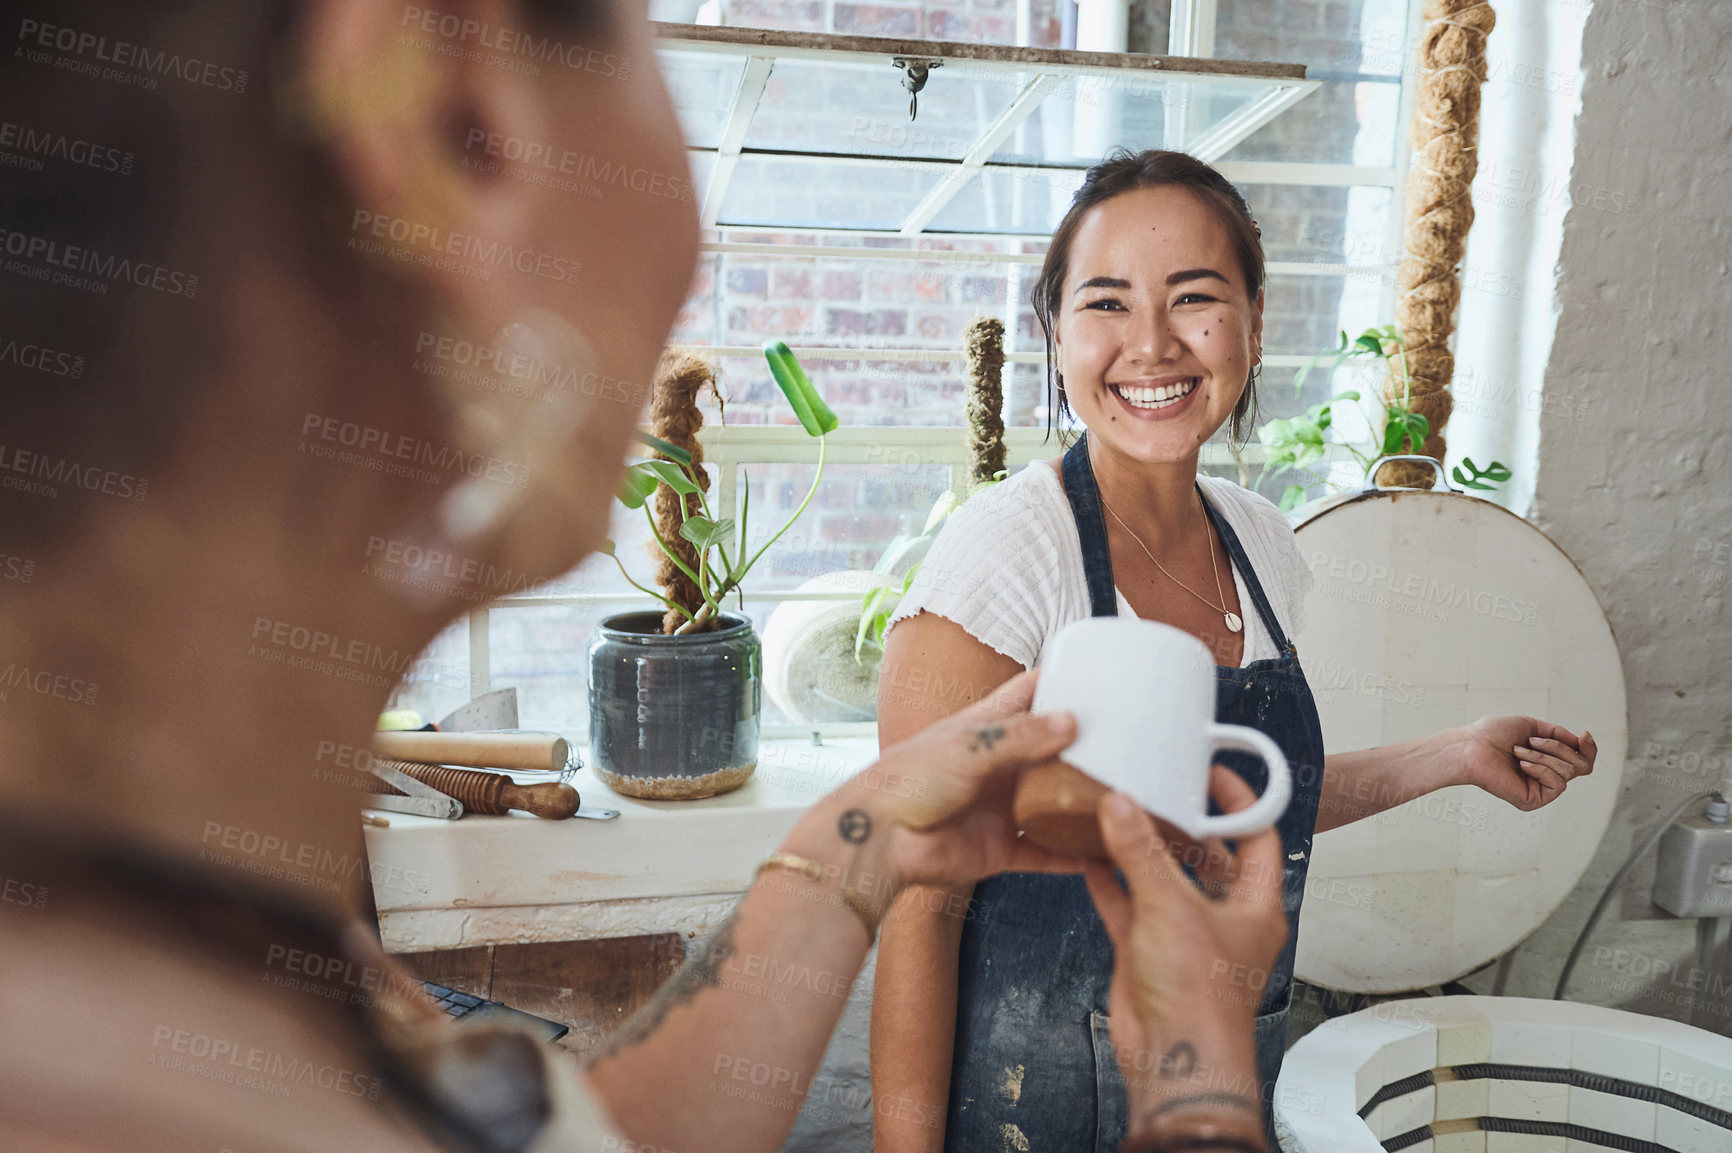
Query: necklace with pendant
[[1231, 618]]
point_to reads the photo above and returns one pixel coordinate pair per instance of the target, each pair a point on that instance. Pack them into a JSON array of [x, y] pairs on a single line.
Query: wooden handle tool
[[545, 752], [495, 794]]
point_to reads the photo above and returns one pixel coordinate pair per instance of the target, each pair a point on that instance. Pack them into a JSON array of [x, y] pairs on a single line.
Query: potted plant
[[674, 693], [1298, 441]]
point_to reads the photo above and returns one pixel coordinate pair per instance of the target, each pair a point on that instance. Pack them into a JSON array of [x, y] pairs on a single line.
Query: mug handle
[[1268, 808]]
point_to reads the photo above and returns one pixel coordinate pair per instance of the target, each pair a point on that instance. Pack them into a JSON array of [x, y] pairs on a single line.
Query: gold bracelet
[[814, 871]]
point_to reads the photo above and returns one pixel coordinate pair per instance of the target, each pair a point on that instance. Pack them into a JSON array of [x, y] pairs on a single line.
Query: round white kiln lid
[[1431, 610]]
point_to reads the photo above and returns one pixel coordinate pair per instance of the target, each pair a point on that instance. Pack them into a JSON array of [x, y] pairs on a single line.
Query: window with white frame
[[868, 241]]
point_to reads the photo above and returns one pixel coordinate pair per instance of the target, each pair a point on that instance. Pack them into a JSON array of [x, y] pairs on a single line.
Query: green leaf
[[1475, 477], [1464, 481], [742, 564], [1293, 497], [606, 548], [1369, 342], [1392, 438], [670, 474], [941, 509], [705, 533], [826, 419], [790, 386], [636, 486], [809, 407], [861, 630], [875, 610], [895, 551], [1403, 427], [672, 451]]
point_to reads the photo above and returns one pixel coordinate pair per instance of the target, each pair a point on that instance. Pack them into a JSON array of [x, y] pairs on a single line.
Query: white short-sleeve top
[[1007, 566]]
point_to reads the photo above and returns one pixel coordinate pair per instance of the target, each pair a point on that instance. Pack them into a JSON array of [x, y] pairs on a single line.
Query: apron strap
[[1091, 527], [1236, 552]]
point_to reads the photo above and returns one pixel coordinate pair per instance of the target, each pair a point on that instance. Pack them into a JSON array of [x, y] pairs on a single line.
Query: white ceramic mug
[[1143, 694]]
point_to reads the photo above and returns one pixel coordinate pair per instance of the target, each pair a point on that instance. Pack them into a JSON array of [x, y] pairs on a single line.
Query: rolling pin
[[546, 752], [493, 794]]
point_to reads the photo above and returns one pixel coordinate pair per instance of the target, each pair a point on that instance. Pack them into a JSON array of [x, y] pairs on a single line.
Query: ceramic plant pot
[[673, 717]]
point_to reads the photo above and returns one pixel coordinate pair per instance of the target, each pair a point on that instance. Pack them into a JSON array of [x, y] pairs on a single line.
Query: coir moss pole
[[1439, 212], [674, 417], [984, 340]]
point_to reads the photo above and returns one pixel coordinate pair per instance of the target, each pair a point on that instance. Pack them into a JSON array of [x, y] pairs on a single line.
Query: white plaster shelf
[[661, 866]]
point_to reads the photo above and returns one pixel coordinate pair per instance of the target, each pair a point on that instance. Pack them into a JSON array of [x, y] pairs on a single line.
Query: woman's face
[[1155, 331]]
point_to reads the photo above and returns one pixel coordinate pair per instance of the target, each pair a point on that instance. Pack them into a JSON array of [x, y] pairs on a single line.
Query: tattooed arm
[[724, 1055], [1188, 973]]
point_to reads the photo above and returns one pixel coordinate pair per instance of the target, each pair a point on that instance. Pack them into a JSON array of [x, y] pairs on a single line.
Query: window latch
[[914, 73]]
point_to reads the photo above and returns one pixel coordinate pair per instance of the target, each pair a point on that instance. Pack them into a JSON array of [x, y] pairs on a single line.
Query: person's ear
[[1257, 329], [407, 124]]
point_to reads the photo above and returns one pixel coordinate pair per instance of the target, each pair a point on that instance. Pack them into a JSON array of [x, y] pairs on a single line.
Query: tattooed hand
[[1188, 969], [936, 808]]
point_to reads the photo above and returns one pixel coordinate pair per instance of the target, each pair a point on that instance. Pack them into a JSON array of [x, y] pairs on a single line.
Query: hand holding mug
[[1188, 970], [1143, 694]]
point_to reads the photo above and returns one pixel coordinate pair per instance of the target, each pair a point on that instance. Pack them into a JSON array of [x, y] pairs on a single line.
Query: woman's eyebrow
[[1196, 274], [1103, 282]]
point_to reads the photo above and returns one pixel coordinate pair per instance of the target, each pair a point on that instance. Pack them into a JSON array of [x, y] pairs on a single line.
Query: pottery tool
[[494, 794], [411, 795], [494, 710], [481, 734], [511, 749]]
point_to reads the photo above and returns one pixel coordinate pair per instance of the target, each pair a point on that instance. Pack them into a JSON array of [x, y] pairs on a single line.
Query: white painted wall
[[1521, 194], [1633, 477]]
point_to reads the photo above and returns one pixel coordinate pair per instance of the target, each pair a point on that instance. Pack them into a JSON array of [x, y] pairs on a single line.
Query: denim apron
[[1033, 1066]]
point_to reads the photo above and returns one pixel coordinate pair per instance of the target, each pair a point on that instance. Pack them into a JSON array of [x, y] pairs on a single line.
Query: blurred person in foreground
[[281, 303]]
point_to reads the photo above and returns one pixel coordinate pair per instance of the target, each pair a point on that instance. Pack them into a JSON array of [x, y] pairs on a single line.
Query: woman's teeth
[[1138, 397]]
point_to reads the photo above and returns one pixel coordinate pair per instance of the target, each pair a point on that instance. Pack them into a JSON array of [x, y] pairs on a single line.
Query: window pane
[[702, 85], [1342, 36], [857, 510], [1341, 122], [1320, 225], [1085, 116], [1301, 314], [1359, 48], [541, 652], [798, 194], [1029, 202], [439, 680]]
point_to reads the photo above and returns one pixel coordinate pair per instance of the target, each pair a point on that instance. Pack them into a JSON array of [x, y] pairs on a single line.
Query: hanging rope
[[675, 418], [1439, 212], [984, 340]]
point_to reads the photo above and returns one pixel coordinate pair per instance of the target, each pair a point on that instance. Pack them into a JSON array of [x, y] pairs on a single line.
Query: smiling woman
[[1151, 299]]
